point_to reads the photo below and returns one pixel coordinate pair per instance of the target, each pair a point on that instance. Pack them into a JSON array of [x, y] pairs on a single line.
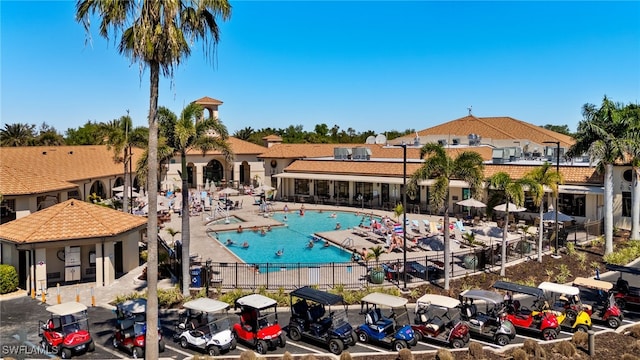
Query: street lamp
[[556, 209], [404, 214]]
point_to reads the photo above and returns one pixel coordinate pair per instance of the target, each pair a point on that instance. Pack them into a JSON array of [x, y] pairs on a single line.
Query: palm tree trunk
[[540, 233], [635, 204], [186, 259], [152, 224], [608, 208], [503, 249], [127, 183], [447, 247]]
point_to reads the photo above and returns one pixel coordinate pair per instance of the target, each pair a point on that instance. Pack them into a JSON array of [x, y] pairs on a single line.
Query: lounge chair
[[415, 226]]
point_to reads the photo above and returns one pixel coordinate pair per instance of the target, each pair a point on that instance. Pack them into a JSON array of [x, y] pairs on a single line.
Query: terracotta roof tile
[[496, 128], [239, 147], [72, 219], [15, 182], [208, 101]]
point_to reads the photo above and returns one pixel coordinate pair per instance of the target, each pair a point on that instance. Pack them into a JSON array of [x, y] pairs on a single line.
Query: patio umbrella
[[512, 208], [207, 185], [161, 207], [229, 191], [551, 216], [471, 202], [131, 194], [264, 188], [119, 188]]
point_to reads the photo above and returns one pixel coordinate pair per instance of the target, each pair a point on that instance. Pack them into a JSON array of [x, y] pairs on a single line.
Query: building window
[[341, 189], [301, 187], [322, 188], [364, 189], [626, 203], [74, 194], [572, 204]]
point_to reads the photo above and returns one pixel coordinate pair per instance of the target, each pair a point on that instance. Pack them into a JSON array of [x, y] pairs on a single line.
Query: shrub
[[248, 355], [345, 356], [287, 356], [629, 357], [581, 339], [169, 297], [309, 357], [476, 350], [635, 331], [8, 279], [519, 354], [628, 252], [530, 346], [565, 348], [405, 354], [144, 255], [444, 354]]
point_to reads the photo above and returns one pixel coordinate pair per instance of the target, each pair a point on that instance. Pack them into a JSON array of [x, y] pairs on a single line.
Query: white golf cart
[[206, 327]]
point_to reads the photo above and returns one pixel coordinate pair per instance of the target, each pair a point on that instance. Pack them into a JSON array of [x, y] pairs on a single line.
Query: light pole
[[555, 251], [404, 214]]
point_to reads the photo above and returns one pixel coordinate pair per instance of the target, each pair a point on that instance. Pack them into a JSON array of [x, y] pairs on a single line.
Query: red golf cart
[[258, 326], [67, 331], [131, 328]]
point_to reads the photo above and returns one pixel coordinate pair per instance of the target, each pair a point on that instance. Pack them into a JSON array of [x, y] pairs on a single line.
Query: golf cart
[[490, 324], [386, 330], [258, 326], [438, 319], [308, 319], [603, 307], [131, 327], [534, 319], [206, 327], [67, 331], [566, 305], [624, 293]]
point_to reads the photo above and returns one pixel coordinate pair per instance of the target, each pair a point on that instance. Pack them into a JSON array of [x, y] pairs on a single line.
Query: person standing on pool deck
[[286, 208]]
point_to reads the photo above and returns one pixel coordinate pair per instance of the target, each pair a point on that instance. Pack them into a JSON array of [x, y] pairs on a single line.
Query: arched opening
[[245, 173], [191, 176], [214, 172], [98, 189]]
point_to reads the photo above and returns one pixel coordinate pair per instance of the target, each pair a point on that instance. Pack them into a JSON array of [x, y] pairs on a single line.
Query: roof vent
[[71, 152], [44, 153], [455, 141]]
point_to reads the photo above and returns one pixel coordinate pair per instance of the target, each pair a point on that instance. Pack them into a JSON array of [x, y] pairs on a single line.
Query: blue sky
[[366, 65]]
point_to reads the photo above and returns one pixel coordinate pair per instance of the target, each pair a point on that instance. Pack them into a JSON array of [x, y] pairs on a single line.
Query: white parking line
[[111, 351], [628, 321], [304, 347], [179, 351], [599, 327], [494, 345], [370, 347]]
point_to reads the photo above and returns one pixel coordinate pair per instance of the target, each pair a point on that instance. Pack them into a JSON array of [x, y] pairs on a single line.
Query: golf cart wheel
[[213, 350], [261, 347], [582, 328], [183, 342], [354, 339], [336, 346], [571, 315], [137, 352], [621, 303], [363, 337], [114, 342], [283, 340], [234, 343], [549, 334], [502, 340], [457, 343], [161, 346], [417, 335], [294, 333], [91, 347], [613, 322], [399, 345], [65, 353]]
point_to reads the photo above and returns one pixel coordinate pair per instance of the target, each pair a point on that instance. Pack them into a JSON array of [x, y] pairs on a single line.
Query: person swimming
[[326, 243], [245, 244], [310, 244], [333, 215], [338, 226], [239, 229], [229, 242], [280, 252]]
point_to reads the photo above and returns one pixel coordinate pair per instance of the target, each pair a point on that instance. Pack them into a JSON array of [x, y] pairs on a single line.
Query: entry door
[[23, 261], [117, 248]]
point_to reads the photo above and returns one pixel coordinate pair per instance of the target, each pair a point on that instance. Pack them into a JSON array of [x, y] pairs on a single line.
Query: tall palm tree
[[189, 132], [17, 134], [600, 134], [467, 166], [157, 35], [542, 177], [513, 191], [632, 147], [120, 136]]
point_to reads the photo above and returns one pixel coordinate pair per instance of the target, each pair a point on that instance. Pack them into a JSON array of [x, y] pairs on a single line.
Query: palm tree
[[17, 135], [513, 192], [158, 38], [543, 177], [601, 135], [189, 132], [467, 166], [120, 136], [632, 147]]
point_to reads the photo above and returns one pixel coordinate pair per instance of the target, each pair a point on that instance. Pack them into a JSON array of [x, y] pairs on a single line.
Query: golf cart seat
[[470, 310], [316, 311], [300, 308], [126, 326], [247, 321], [435, 324], [622, 286], [376, 321]]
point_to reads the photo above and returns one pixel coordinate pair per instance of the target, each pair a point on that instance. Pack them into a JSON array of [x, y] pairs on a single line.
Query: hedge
[[8, 279]]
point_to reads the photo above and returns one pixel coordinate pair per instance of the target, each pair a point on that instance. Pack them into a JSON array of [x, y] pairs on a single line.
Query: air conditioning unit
[[442, 142]]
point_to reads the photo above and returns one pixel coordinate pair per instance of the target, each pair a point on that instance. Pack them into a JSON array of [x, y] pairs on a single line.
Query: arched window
[[214, 171]]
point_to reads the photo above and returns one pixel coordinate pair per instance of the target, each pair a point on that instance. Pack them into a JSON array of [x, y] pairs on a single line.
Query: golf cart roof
[[592, 283], [623, 269], [134, 306], [256, 301], [66, 308], [484, 295], [517, 288], [559, 288], [206, 305], [437, 300], [385, 300], [319, 296]]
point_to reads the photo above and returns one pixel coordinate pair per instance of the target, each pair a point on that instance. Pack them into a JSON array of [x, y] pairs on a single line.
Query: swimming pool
[[293, 239]]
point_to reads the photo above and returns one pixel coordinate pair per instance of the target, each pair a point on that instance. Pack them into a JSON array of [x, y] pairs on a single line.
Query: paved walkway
[[204, 247]]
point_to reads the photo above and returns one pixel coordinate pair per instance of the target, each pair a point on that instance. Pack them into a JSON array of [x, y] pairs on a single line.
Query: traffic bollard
[[59, 297], [77, 293], [93, 298], [44, 296]]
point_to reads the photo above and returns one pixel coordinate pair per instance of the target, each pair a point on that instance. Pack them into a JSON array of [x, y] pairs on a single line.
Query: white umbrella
[[264, 188], [512, 208], [207, 186], [119, 188], [131, 194], [472, 203], [551, 216], [161, 207], [229, 191]]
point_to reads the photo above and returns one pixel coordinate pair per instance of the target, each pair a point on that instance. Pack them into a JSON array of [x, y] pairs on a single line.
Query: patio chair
[[415, 226]]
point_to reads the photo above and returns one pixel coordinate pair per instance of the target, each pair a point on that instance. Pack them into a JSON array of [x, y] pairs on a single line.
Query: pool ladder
[[347, 242]]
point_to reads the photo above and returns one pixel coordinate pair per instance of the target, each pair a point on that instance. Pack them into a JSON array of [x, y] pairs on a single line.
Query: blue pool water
[[293, 239]]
